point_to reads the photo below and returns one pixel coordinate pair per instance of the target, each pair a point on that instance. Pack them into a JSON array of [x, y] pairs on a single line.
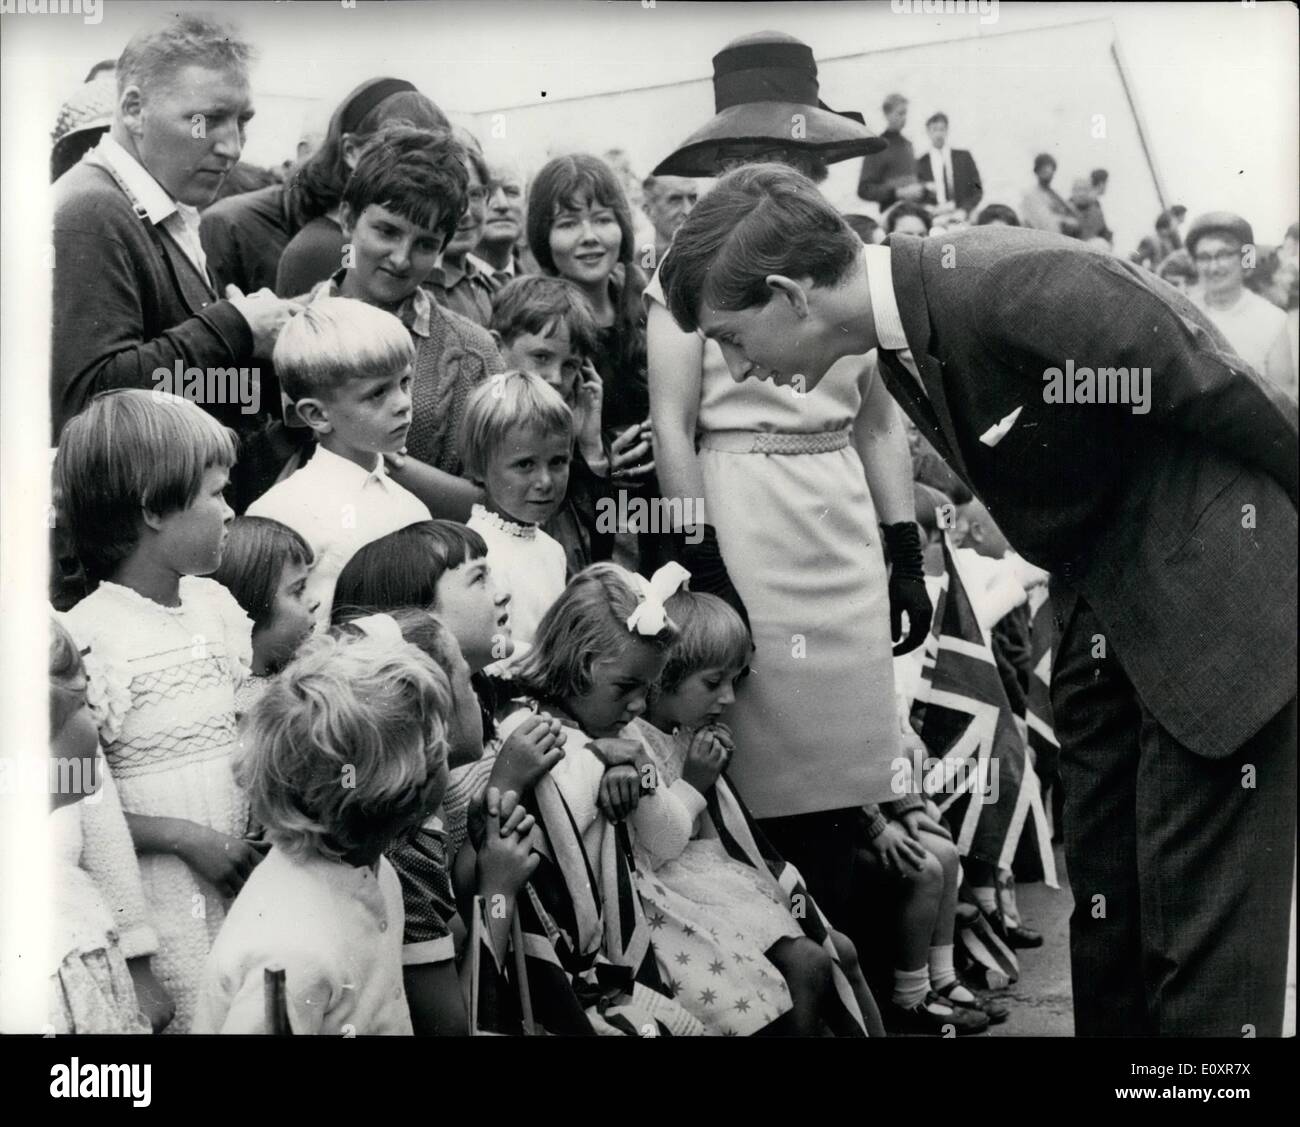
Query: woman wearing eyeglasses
[[1221, 245]]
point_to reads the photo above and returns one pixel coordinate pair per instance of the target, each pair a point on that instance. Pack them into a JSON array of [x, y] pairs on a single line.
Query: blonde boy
[[346, 367]]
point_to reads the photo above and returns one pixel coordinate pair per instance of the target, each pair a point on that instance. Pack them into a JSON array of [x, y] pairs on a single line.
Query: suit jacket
[[967, 191], [127, 300], [1179, 525], [883, 173]]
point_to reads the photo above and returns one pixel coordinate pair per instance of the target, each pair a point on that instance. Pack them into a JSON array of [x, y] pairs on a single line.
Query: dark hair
[[257, 551], [564, 182], [863, 226], [1292, 232], [760, 219], [418, 173], [1043, 159], [474, 152], [1099, 176], [940, 116], [930, 469], [403, 568], [904, 208], [1177, 264], [995, 212], [891, 101], [535, 303], [317, 186]]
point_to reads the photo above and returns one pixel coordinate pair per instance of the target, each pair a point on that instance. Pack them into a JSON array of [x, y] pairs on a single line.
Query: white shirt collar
[[149, 194], [884, 305], [346, 472]]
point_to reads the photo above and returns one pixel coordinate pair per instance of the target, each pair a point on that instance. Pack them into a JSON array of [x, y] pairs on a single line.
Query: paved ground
[[1041, 1002]]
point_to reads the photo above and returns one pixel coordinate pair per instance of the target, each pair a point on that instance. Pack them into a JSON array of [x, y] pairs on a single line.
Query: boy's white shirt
[[338, 507]]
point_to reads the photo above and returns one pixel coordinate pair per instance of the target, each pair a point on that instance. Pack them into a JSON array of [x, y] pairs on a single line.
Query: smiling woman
[[404, 200], [312, 199]]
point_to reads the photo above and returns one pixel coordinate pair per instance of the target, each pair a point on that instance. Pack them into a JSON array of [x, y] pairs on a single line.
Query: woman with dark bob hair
[[580, 227]]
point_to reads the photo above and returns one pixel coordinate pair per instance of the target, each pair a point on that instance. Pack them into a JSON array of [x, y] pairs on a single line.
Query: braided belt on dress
[[774, 442]]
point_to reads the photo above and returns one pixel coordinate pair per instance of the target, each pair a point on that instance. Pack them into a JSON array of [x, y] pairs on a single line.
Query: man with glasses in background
[[1221, 245]]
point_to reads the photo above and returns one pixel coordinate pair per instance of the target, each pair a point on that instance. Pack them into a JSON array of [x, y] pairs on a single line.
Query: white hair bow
[[382, 627], [649, 617]]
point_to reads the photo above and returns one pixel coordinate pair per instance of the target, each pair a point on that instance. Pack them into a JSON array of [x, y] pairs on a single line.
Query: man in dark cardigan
[[1121, 445], [134, 304]]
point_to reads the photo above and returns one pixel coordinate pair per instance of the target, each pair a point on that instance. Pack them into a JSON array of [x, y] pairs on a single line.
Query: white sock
[[942, 973], [987, 898], [941, 968], [911, 987]]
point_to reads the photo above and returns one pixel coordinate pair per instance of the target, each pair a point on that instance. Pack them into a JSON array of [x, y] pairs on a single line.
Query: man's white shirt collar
[[153, 198], [149, 194], [884, 307]]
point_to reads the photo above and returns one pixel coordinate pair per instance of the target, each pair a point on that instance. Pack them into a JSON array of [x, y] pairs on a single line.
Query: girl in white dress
[[91, 988], [684, 732], [141, 476], [517, 443]]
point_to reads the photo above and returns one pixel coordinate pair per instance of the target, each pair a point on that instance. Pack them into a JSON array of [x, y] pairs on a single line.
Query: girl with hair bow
[[596, 655]]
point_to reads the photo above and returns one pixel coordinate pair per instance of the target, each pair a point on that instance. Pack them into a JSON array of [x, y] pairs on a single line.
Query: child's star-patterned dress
[[161, 684], [711, 920]]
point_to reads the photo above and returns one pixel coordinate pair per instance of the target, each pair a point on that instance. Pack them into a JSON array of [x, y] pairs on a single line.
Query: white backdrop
[[1004, 105], [1216, 82]]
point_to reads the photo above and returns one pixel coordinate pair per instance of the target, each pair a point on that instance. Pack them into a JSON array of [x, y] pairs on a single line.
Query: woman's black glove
[[906, 585], [708, 573]]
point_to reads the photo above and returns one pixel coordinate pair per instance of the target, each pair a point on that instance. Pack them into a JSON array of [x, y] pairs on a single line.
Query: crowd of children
[[422, 728]]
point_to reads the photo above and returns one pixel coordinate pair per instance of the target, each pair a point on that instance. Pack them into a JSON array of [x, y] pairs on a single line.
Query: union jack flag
[[983, 780], [580, 960]]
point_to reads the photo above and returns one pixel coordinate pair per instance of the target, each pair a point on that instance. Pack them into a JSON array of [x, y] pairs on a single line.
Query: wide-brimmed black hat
[[760, 83]]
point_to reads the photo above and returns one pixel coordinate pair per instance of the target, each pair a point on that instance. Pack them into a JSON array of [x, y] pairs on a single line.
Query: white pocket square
[[997, 432]]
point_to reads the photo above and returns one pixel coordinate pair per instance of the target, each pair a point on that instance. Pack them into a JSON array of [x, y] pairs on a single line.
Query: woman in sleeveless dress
[[784, 481]]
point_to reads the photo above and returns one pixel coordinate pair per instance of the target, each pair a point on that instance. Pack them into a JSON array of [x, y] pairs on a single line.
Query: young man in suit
[[952, 181], [1120, 445]]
